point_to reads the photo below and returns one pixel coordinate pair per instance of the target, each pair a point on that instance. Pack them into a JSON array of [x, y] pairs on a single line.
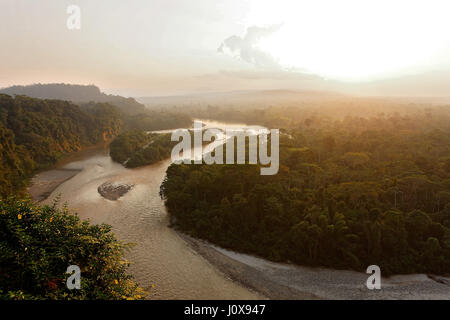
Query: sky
[[171, 47]]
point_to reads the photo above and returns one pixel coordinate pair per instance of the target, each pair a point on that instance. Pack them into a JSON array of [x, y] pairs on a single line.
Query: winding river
[[161, 261], [172, 266]]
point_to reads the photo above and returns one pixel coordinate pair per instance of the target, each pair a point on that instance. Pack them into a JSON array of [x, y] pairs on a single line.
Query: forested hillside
[[78, 94], [34, 133], [350, 192], [134, 114]]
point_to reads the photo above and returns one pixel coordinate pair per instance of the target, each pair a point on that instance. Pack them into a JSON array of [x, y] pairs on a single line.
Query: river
[[172, 266], [161, 262]]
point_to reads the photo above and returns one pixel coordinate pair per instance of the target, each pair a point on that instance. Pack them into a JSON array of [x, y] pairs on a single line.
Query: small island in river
[[112, 191]]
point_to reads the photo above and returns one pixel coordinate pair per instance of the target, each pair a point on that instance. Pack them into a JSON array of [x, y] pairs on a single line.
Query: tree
[[38, 243]]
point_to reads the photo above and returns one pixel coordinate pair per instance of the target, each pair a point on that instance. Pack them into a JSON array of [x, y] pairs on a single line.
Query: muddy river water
[[161, 262], [172, 266]]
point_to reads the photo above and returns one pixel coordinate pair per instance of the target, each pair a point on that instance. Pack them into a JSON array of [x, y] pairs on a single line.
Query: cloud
[[247, 49]]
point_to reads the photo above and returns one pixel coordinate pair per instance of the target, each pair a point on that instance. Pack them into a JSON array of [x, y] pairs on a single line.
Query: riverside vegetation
[[138, 148], [38, 243], [35, 133], [351, 191]]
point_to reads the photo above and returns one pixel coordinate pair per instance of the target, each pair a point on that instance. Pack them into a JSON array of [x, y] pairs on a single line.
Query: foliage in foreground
[[38, 243]]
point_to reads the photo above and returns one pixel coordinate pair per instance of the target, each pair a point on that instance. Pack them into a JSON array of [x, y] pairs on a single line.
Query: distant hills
[[78, 94], [267, 98], [242, 98]]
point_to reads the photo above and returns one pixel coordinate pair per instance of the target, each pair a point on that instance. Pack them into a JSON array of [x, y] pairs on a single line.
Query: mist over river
[[172, 266]]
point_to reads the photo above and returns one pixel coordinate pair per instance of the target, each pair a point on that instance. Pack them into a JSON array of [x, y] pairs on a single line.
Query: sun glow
[[355, 39]]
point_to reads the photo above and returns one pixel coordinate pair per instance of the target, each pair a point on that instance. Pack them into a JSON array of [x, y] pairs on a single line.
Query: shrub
[[38, 243]]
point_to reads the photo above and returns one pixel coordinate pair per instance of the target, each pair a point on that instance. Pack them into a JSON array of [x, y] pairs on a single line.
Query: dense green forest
[[34, 133], [351, 191], [138, 148], [38, 243]]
